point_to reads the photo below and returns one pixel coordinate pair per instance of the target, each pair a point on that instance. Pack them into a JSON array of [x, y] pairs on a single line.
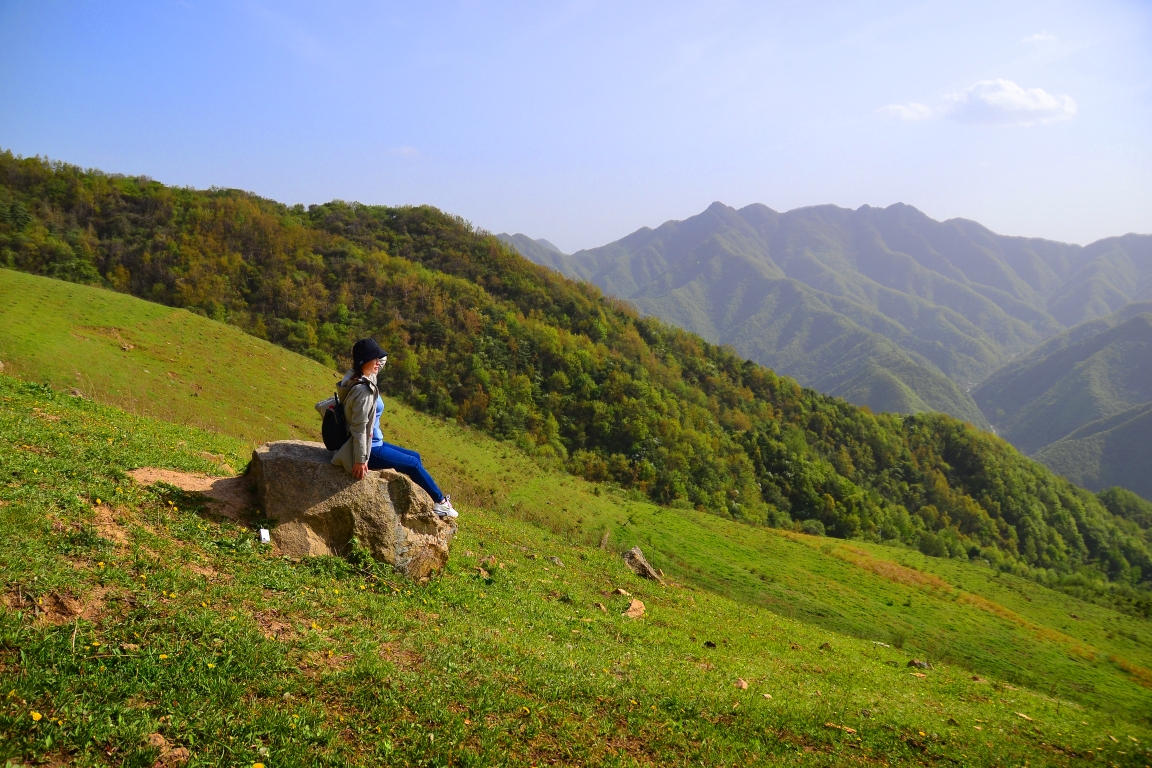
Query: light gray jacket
[[360, 412]]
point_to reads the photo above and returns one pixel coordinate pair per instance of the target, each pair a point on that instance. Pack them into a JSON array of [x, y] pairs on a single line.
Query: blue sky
[[583, 121]]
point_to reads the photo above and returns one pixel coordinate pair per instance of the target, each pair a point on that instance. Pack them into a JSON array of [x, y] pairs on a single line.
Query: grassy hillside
[[578, 381], [1063, 385], [1108, 452], [154, 360], [819, 290], [121, 596], [981, 620], [1079, 402]]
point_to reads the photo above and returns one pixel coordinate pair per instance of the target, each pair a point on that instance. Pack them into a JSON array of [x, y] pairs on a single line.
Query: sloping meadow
[[579, 382], [137, 627]]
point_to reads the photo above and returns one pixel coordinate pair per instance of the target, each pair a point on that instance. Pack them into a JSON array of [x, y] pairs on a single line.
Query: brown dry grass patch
[[1142, 675], [894, 572], [1039, 632], [900, 574], [329, 660], [403, 658]]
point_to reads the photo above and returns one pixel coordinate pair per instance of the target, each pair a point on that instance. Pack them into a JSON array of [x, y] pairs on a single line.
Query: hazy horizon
[[547, 240], [580, 122]]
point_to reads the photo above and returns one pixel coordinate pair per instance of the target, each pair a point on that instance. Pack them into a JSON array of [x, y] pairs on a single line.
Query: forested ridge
[[479, 334]]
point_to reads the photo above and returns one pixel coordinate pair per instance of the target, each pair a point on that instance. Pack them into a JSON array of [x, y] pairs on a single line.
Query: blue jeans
[[388, 456]]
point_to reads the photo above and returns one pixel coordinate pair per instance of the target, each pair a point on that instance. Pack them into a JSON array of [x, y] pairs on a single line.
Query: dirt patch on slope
[[57, 607], [229, 496], [273, 625], [403, 658], [109, 527]]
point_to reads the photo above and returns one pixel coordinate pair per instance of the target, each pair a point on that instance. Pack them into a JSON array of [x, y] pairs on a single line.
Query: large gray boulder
[[318, 508]]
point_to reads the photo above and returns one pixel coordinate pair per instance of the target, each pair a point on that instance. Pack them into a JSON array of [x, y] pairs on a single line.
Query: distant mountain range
[[891, 309]]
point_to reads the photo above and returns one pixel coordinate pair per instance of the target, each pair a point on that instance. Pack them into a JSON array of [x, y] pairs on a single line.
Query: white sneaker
[[444, 508]]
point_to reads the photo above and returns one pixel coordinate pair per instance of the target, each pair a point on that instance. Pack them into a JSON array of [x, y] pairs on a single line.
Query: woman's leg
[[405, 451], [388, 456]]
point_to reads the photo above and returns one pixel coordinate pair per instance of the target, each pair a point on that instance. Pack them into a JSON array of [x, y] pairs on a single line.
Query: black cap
[[366, 350]]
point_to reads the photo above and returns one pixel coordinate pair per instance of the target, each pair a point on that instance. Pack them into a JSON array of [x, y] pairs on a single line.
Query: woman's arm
[[359, 412]]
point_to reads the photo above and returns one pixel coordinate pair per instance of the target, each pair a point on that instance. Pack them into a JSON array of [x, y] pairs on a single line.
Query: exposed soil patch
[[273, 626], [59, 608], [403, 658], [229, 496], [168, 755], [109, 527], [207, 572]]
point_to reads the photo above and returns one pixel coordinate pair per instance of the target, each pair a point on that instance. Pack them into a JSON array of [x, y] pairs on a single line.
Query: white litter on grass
[[265, 538], [882, 645]]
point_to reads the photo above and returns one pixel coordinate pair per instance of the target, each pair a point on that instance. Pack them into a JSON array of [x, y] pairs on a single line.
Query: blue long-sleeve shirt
[[377, 433]]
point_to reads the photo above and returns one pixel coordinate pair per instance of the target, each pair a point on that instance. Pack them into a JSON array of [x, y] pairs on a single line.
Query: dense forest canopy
[[479, 334]]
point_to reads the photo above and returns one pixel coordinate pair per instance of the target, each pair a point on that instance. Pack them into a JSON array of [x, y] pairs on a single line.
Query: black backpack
[[334, 429]]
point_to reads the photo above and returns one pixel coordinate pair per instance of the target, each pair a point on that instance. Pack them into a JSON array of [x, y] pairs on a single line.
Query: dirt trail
[[231, 496]]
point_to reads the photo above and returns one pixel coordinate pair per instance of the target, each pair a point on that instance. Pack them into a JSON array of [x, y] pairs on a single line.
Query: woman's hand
[[359, 470]]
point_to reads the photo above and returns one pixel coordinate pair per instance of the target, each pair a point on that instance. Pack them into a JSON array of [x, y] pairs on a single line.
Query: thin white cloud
[[1003, 102], [1000, 102], [908, 112], [1040, 37], [405, 151]]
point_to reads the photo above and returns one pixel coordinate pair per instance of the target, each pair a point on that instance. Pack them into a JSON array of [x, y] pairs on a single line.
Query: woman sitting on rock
[[366, 449]]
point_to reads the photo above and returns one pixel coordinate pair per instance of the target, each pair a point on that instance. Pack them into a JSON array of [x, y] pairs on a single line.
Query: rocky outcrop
[[639, 564], [318, 508]]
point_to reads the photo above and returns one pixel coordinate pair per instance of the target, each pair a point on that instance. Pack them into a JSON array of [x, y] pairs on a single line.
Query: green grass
[[740, 581], [241, 656], [155, 360]]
